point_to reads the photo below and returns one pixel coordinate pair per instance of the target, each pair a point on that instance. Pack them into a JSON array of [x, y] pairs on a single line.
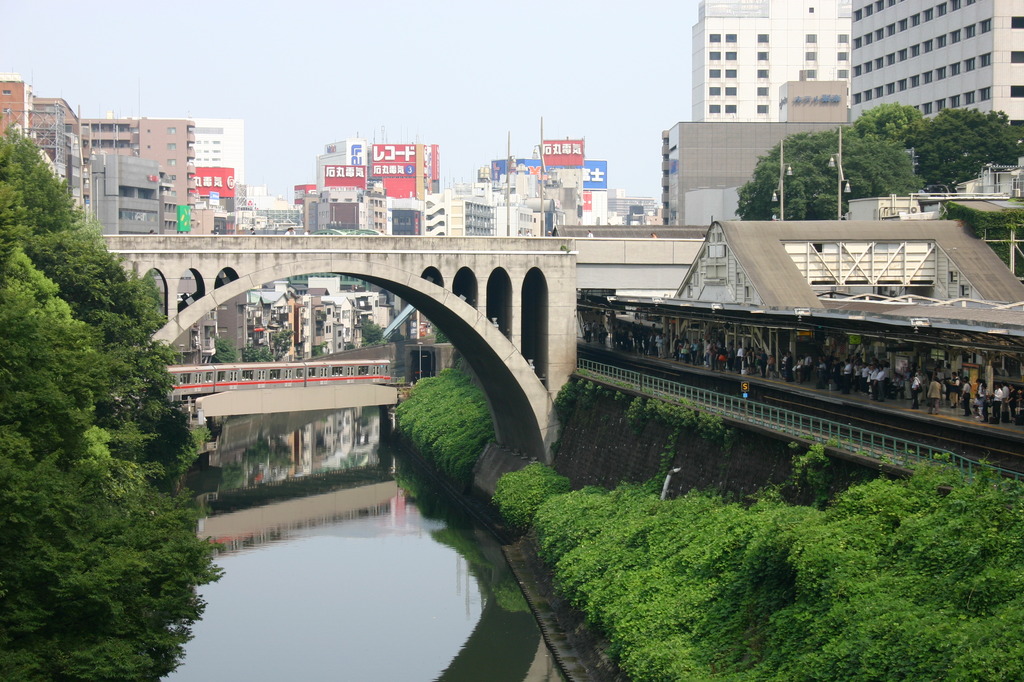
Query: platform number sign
[[745, 388]]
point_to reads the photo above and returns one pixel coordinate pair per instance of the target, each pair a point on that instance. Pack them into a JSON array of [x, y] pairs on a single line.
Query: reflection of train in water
[[202, 379]]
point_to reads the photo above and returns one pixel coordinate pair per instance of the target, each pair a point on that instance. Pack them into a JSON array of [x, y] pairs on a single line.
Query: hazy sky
[[459, 74]]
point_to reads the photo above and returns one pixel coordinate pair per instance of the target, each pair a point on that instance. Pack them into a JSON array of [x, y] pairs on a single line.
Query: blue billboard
[[595, 173]]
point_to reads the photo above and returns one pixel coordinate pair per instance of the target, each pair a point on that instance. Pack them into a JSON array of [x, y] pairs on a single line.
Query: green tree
[[99, 569], [225, 351], [281, 342], [257, 354], [955, 145], [893, 122], [872, 166], [373, 334]]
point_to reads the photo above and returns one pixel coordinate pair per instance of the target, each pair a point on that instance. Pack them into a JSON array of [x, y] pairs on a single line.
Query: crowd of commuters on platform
[[937, 388]]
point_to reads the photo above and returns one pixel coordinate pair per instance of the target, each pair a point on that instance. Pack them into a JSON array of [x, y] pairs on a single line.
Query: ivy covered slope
[[97, 565], [447, 420], [921, 579]]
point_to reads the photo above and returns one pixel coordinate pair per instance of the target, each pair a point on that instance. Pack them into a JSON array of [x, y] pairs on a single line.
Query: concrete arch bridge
[[507, 304]]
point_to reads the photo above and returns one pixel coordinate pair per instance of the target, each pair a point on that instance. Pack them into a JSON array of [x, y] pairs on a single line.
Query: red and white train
[[203, 379]]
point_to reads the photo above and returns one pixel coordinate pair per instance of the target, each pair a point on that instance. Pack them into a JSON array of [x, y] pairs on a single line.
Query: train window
[[323, 371], [363, 370], [247, 375], [275, 374], [221, 375], [184, 378], [208, 377], [338, 371], [300, 372]]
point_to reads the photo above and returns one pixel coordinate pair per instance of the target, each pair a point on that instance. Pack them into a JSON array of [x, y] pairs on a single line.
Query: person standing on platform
[[998, 395], [934, 395], [965, 395], [954, 390], [915, 391]]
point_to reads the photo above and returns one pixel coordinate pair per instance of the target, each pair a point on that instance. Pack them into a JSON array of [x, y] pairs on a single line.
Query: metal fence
[[858, 441]]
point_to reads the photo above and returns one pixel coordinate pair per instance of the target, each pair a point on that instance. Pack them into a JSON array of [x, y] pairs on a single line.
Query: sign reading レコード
[[394, 160]]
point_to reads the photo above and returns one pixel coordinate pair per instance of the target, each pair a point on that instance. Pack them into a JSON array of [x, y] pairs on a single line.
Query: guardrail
[[855, 440]]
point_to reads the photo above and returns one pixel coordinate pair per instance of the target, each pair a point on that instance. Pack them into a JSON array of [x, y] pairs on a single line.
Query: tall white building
[[744, 51], [933, 55], [220, 143]]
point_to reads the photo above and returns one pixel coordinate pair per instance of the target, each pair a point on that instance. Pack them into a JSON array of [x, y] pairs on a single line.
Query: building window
[[715, 109], [172, 146], [878, 63], [715, 73], [954, 69], [1017, 57], [762, 38], [714, 92], [954, 36], [762, 73], [730, 56], [810, 74], [902, 84], [915, 20], [890, 30], [941, 9], [730, 37], [172, 131], [954, 4], [762, 108], [986, 25], [715, 38], [867, 95], [940, 73], [954, 101], [856, 43], [844, 56], [986, 59], [903, 55], [915, 50], [915, 81], [172, 162], [890, 88], [926, 108], [868, 67], [843, 73], [969, 64], [730, 92], [940, 41], [762, 56], [714, 56], [927, 77], [857, 70], [878, 91], [985, 94], [1017, 22], [970, 30], [762, 92], [1017, 91], [811, 38], [844, 39], [811, 56], [730, 73], [890, 59], [969, 97], [928, 46], [903, 24], [856, 98], [929, 14], [940, 104], [730, 108]]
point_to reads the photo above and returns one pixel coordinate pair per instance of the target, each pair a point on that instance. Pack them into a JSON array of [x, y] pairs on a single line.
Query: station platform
[[1001, 444]]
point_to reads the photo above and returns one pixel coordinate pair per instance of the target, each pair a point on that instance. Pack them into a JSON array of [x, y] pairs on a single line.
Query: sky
[[463, 75]]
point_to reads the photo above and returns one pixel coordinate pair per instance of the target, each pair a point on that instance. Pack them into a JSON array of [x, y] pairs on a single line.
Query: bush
[[520, 493]]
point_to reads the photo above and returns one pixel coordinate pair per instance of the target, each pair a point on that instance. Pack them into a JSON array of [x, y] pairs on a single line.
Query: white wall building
[[745, 50], [935, 55], [220, 143]]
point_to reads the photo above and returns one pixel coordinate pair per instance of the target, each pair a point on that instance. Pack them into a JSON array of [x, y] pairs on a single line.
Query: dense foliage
[[997, 227], [896, 580], [519, 494], [98, 569], [447, 420], [949, 148]]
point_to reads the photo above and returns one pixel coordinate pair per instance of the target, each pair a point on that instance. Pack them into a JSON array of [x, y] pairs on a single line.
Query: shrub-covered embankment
[[446, 419]]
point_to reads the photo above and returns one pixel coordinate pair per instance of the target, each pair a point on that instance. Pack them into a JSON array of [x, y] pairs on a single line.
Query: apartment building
[[936, 55]]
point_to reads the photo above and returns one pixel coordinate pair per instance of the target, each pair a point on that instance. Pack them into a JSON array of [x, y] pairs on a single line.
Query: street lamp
[[843, 185], [784, 170]]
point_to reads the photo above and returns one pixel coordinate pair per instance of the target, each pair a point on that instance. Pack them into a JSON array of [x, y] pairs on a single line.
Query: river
[[340, 562]]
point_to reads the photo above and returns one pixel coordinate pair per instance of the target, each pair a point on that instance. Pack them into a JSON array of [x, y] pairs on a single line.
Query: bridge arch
[[464, 285], [499, 300]]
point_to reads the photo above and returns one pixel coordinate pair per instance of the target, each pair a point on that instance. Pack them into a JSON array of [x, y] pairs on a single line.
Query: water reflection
[[335, 570]]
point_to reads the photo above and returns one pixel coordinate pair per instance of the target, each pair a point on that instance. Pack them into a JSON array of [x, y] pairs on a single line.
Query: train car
[[203, 379]]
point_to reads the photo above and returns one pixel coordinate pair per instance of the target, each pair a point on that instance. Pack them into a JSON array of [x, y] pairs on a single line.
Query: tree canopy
[[872, 166], [956, 144], [99, 567]]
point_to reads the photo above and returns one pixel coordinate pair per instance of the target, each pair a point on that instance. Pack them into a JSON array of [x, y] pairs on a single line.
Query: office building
[[745, 50], [220, 143], [936, 55]]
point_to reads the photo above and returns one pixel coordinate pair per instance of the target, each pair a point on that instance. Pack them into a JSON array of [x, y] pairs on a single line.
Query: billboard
[[565, 153], [394, 161], [220, 180], [402, 188], [302, 191], [595, 173], [345, 176]]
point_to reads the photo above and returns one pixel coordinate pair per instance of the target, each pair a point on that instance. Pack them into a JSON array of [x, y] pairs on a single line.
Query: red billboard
[[303, 191], [220, 180], [345, 176], [394, 161], [565, 153], [402, 188]]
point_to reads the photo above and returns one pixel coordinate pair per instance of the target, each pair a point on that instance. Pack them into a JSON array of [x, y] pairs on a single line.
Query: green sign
[[184, 219]]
